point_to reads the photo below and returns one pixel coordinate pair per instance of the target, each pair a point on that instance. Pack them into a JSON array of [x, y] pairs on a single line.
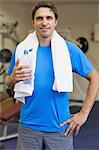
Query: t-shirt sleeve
[[80, 63], [12, 63]]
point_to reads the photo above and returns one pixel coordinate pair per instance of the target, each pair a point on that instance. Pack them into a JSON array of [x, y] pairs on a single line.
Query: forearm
[[79, 118], [92, 91], [10, 81]]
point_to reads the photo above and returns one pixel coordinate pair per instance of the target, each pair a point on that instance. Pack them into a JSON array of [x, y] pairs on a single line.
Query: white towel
[[63, 81]]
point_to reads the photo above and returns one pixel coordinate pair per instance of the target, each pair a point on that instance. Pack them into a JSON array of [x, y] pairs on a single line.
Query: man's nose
[[44, 21]]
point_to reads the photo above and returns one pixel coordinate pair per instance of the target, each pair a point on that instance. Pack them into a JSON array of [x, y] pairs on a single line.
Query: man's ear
[[56, 22], [33, 22]]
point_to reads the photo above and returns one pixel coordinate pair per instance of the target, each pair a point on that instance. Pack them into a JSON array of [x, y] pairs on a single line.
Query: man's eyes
[[39, 18], [47, 18]]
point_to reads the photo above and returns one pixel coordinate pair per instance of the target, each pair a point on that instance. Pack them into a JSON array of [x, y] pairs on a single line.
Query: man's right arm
[[10, 79], [19, 73]]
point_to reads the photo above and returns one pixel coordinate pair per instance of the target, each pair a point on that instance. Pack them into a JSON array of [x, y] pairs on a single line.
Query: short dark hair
[[44, 4]]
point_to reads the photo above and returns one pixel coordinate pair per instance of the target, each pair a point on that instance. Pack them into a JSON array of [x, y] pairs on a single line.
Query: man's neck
[[44, 41]]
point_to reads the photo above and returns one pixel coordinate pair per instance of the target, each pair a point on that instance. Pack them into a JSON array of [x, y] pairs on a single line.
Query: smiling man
[[44, 22], [45, 120]]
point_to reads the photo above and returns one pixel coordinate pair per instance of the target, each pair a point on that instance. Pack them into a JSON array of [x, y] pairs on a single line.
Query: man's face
[[44, 22]]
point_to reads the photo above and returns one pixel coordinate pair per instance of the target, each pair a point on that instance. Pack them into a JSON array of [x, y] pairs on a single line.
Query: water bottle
[[25, 60]]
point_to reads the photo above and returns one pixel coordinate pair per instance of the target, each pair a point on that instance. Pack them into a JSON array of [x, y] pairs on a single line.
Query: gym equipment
[[9, 108], [83, 44], [5, 57], [8, 31], [2, 70], [8, 111]]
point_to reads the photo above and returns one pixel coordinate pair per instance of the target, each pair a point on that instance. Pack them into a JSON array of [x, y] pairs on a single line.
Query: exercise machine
[[8, 31], [9, 108], [81, 42]]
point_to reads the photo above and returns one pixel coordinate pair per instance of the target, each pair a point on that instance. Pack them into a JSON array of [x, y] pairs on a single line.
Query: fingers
[[17, 66], [21, 72], [23, 76], [70, 129], [75, 123], [65, 122], [17, 62], [78, 129], [72, 125]]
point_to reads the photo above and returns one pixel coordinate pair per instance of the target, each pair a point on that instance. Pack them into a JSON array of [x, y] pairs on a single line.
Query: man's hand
[[20, 72], [75, 123]]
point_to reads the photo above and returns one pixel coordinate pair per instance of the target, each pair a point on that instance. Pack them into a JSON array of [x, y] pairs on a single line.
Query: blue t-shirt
[[46, 109]]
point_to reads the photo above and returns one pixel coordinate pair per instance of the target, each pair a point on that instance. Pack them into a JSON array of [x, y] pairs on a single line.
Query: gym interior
[[79, 23]]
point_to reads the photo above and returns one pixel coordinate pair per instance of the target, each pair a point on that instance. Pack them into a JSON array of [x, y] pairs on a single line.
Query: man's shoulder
[[70, 44], [72, 47]]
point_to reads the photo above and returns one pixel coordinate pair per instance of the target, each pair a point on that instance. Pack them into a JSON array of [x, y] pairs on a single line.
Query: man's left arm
[[78, 119]]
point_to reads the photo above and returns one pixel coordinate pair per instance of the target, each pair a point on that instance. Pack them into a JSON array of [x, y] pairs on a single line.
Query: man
[[45, 121]]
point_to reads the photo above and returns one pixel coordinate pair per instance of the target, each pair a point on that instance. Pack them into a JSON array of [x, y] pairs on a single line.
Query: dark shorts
[[29, 139]]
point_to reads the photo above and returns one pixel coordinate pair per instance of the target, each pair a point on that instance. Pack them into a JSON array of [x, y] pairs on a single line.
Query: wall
[[80, 17]]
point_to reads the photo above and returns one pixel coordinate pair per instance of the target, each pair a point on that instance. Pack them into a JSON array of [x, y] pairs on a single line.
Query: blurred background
[[78, 22]]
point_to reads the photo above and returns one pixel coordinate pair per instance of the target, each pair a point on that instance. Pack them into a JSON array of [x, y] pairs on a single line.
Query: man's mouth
[[44, 29]]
